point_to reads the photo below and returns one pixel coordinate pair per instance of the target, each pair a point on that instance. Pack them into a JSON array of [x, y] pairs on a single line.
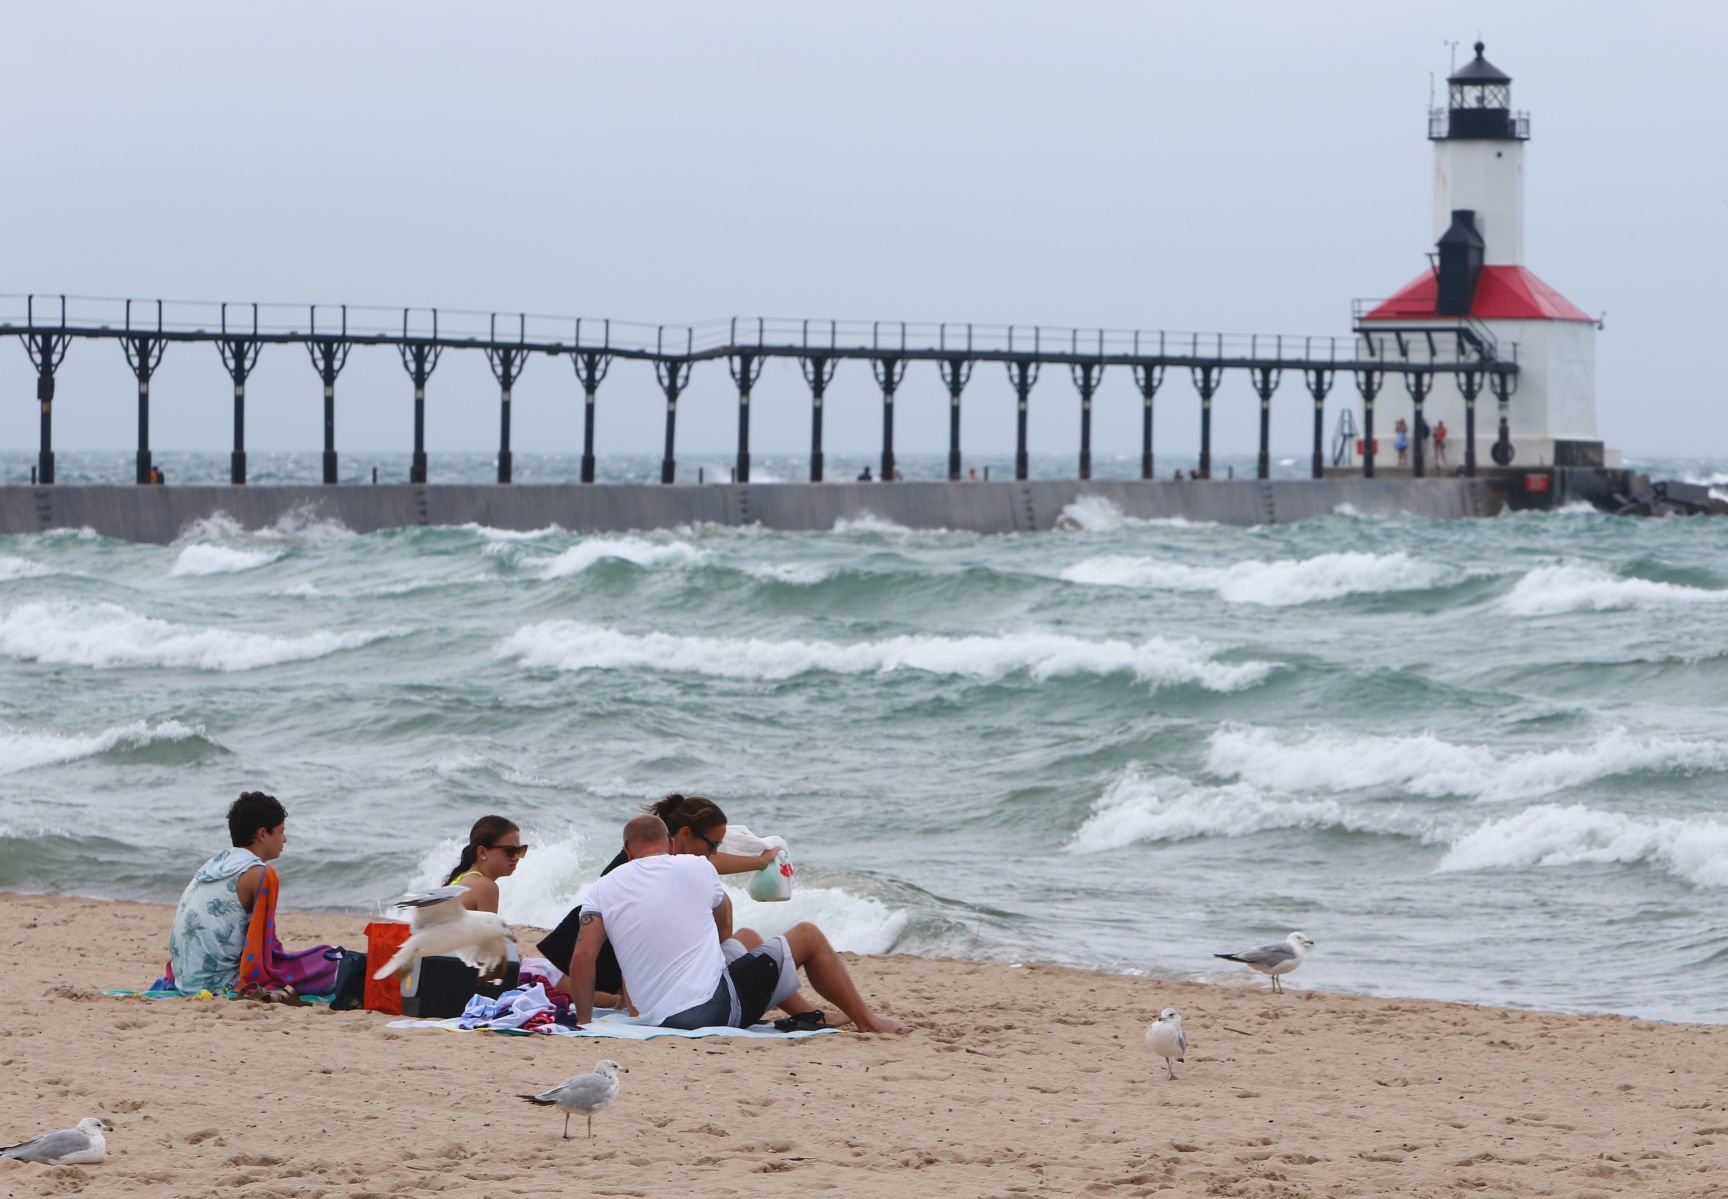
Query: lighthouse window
[[1481, 95]]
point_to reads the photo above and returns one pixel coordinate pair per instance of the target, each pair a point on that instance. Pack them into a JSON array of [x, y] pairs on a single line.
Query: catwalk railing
[[48, 325]]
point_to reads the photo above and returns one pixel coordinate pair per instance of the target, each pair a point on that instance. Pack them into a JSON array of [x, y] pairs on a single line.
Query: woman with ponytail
[[493, 849], [697, 826]]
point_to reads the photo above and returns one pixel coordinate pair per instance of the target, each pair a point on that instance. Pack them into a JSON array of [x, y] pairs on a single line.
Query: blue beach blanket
[[621, 1026]]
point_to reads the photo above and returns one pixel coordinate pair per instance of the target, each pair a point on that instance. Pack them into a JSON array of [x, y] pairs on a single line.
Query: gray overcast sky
[[1247, 167]]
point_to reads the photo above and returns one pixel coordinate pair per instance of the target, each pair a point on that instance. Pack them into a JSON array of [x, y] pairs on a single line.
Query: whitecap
[[641, 552], [568, 645], [1332, 762], [1170, 808], [20, 568], [796, 574], [21, 750], [107, 635], [200, 560], [1556, 590], [1093, 513], [869, 522], [1694, 850], [1276, 583]]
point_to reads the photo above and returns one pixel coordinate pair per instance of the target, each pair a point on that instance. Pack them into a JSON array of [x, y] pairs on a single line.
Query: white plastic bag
[[773, 882]]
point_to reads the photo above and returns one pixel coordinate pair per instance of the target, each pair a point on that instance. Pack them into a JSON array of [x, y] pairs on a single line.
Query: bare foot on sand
[[886, 1024]]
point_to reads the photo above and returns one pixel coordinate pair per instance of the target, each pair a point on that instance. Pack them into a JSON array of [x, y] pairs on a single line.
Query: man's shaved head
[[646, 833]]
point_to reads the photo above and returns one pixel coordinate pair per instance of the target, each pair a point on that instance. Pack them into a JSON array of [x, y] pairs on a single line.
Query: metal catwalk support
[[889, 373], [1319, 380], [591, 367], [506, 363], [1087, 376], [674, 376], [1469, 386], [818, 373], [1149, 378], [1418, 383], [956, 373], [746, 368], [1023, 375], [419, 360], [329, 355], [47, 351], [143, 355], [1503, 385], [239, 355], [1264, 380], [1368, 383], [1206, 380]]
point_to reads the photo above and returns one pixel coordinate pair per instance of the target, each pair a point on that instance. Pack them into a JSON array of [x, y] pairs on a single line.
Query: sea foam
[[20, 568], [1328, 761], [1555, 590], [1135, 808], [107, 635], [1277, 583], [198, 560], [1694, 850], [21, 750], [568, 645]]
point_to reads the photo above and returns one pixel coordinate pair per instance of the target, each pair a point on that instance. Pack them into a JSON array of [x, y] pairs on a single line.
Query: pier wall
[[162, 514]]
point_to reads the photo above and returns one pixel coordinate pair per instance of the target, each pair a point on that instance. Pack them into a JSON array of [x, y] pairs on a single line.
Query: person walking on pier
[[1439, 443], [1401, 441]]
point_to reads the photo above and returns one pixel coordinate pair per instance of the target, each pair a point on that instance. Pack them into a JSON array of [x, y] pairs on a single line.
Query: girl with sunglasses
[[494, 847]]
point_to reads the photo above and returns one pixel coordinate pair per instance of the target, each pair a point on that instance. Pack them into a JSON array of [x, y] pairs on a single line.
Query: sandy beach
[[1028, 1080]]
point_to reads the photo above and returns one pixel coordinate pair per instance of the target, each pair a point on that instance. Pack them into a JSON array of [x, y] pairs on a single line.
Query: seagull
[[1164, 1036], [442, 925], [1281, 957], [81, 1146], [585, 1093]]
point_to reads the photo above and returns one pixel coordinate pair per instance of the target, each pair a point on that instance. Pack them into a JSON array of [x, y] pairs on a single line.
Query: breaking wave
[[1555, 590], [1278, 583], [106, 636], [568, 645], [1694, 850]]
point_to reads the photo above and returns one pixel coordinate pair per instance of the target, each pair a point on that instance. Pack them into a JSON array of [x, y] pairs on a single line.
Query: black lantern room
[[1479, 105]]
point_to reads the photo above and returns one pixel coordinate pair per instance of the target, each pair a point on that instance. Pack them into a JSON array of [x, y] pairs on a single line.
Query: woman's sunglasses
[[511, 851]]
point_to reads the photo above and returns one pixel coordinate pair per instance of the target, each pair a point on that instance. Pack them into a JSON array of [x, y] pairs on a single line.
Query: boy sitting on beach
[[224, 932], [662, 910]]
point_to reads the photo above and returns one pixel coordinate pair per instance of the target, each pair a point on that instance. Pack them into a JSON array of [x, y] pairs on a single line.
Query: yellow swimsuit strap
[[471, 874]]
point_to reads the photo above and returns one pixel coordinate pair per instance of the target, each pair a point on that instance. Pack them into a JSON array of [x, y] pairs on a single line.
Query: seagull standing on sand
[[81, 1146], [585, 1093], [441, 924], [1281, 957], [1164, 1036]]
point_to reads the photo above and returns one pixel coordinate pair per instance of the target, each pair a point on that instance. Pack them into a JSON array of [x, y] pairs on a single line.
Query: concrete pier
[[162, 514]]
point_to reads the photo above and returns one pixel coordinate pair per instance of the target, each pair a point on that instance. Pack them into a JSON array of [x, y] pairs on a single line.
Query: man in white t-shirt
[[666, 917]]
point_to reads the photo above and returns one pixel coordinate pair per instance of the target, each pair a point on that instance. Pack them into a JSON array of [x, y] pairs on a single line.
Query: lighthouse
[[1478, 299]]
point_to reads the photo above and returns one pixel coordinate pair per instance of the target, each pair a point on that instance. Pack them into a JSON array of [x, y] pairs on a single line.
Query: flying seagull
[[81, 1146], [441, 924], [1281, 957], [585, 1093], [1164, 1036]]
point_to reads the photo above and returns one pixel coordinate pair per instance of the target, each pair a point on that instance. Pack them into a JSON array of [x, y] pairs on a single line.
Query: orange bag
[[383, 939]]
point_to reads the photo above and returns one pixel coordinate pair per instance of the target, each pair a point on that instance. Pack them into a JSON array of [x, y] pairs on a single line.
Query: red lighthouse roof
[[1505, 293]]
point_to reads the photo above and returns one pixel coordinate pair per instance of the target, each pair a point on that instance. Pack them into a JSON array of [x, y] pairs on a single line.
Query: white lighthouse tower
[[1478, 282]]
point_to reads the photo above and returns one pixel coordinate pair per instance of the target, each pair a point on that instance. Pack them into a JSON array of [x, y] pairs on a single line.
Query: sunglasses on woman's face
[[713, 845], [512, 851]]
